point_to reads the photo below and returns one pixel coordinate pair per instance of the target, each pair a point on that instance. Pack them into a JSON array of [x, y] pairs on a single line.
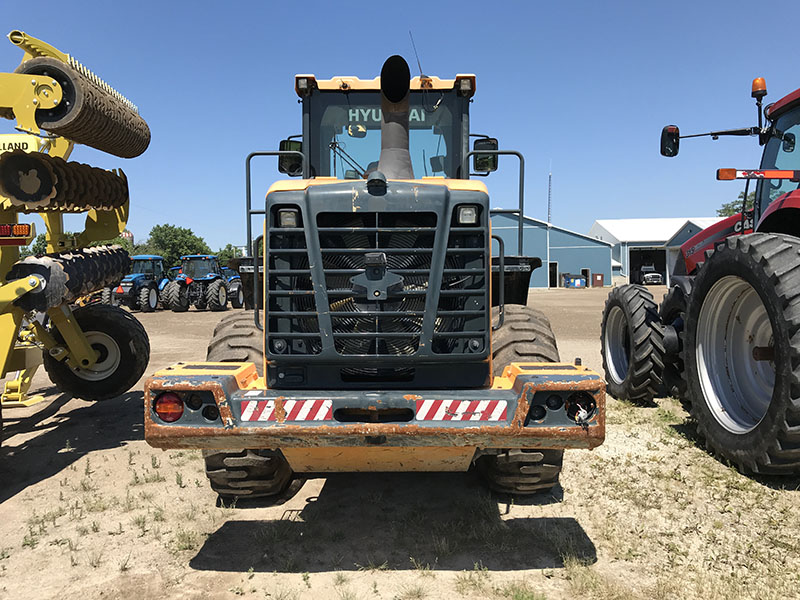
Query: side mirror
[[357, 130], [484, 163], [291, 165], [788, 142], [670, 140], [437, 164]]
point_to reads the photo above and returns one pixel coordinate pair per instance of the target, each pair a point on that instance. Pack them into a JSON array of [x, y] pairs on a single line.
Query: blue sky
[[584, 85]]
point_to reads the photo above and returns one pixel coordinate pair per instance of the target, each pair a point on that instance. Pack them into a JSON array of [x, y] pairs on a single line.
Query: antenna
[[414, 46]]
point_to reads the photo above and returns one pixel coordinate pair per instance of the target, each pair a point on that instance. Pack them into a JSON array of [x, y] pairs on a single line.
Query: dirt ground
[[88, 510]]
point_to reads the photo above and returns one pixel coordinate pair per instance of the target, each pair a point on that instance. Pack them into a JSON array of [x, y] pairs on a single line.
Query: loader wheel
[[631, 339], [107, 296], [238, 300], [237, 339], [176, 297], [244, 474], [217, 296], [742, 352], [124, 352], [148, 299], [524, 336], [672, 313]]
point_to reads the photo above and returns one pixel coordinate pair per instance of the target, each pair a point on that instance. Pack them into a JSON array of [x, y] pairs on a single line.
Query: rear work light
[[169, 407]]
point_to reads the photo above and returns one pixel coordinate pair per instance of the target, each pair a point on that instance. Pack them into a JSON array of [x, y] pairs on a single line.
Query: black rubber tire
[[217, 296], [237, 339], [143, 301], [238, 297], [672, 313], [244, 474], [107, 296], [176, 296], [768, 264], [525, 336], [634, 351], [132, 344]]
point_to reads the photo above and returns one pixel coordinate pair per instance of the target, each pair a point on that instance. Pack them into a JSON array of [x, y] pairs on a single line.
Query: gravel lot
[[88, 510]]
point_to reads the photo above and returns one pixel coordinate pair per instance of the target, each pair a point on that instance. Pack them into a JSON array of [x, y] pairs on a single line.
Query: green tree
[[171, 242], [735, 207], [228, 252]]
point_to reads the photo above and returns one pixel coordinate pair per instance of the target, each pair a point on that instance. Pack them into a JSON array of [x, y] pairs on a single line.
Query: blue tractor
[[235, 289], [202, 283], [141, 288]]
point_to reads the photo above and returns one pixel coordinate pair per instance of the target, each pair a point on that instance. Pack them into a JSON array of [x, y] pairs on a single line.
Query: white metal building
[[638, 242]]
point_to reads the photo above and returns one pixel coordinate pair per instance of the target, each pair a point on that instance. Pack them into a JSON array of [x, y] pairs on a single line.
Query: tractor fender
[[782, 215]]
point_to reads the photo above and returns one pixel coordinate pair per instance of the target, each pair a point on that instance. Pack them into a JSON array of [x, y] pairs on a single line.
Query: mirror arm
[[716, 134]]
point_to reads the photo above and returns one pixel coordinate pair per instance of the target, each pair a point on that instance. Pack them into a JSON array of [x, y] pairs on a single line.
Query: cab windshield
[[143, 266], [345, 133], [197, 268], [780, 152]]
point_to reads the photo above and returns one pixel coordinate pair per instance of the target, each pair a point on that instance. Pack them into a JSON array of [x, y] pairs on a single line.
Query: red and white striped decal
[[461, 410], [295, 410]]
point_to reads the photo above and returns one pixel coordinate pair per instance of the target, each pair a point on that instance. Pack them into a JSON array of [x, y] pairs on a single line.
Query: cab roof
[[203, 256], [784, 104], [147, 257], [347, 83]]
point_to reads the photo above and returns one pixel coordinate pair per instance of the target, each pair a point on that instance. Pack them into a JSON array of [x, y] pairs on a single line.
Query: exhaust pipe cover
[[395, 160]]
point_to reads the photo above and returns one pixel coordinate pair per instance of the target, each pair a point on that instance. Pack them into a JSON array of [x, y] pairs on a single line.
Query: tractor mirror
[[670, 140], [292, 165], [357, 130], [484, 163], [437, 164], [788, 142]]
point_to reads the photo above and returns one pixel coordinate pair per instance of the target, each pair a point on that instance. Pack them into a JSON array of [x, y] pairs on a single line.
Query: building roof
[[646, 230], [531, 220]]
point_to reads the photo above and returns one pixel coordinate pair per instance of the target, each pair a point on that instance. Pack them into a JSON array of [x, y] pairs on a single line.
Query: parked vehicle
[[235, 288], [199, 282], [726, 337], [650, 276], [142, 287]]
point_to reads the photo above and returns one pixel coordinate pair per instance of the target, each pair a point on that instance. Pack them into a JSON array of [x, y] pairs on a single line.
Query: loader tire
[[631, 344], [124, 353], [217, 296], [742, 352], [237, 339], [244, 474], [148, 299], [176, 297], [524, 336]]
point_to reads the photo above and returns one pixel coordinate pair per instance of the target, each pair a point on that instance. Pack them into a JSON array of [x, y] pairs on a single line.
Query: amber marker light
[[726, 174], [169, 407], [759, 89]]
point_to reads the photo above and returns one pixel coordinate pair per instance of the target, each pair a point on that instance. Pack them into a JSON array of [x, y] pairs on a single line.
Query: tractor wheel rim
[[108, 361], [733, 322], [152, 298], [222, 295], [616, 343]]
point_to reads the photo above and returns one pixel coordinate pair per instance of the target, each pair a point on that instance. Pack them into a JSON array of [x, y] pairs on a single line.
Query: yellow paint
[[245, 373], [299, 185], [510, 373], [374, 85], [379, 458]]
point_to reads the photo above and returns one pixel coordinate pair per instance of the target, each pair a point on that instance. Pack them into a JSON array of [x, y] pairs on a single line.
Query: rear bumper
[[253, 417]]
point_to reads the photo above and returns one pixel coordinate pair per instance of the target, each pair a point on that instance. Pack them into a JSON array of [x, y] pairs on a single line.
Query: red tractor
[[726, 338]]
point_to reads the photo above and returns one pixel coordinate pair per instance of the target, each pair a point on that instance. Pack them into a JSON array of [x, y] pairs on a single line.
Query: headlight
[[288, 217], [468, 214]]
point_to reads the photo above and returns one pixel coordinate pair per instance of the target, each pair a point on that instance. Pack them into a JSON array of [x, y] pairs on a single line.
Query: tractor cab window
[[782, 151], [142, 266], [345, 133], [197, 269]]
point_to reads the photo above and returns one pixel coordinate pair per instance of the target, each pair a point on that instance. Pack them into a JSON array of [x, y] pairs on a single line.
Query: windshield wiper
[[337, 149]]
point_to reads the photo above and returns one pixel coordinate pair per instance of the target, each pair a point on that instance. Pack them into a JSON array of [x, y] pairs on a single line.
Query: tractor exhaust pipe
[[395, 161]]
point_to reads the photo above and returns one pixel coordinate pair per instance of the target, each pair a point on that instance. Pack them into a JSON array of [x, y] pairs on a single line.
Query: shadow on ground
[[394, 521], [63, 436]]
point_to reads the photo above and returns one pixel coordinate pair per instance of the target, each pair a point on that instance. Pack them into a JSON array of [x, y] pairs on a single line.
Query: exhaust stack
[[395, 161]]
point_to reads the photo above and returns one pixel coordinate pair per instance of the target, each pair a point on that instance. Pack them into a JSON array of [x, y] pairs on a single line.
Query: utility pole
[[549, 197]]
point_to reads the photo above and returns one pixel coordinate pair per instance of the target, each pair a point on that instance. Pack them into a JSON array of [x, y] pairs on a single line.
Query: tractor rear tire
[[148, 299], [217, 296], [176, 297], [525, 336], [244, 474], [238, 300], [124, 353], [237, 339], [631, 344], [742, 353]]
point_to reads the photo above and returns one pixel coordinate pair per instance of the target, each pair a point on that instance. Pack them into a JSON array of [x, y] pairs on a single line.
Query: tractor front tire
[[124, 351], [176, 296], [742, 354], [217, 296], [238, 300], [148, 299], [525, 336], [631, 344]]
